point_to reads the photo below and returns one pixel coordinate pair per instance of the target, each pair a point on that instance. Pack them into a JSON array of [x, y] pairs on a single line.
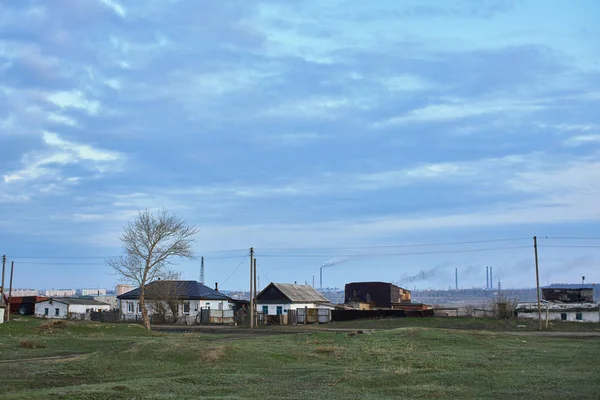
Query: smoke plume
[[334, 261]]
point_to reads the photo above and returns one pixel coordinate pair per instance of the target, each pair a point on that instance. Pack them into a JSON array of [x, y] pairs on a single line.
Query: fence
[[106, 316], [313, 315]]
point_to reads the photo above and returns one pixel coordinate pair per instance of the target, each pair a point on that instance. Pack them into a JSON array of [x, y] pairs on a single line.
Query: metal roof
[[572, 286], [300, 293], [76, 300], [182, 290]]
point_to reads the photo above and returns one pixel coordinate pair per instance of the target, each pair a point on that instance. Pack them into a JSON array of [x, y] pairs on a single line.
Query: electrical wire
[[235, 270], [397, 246], [569, 247], [569, 238], [263, 272], [390, 254]]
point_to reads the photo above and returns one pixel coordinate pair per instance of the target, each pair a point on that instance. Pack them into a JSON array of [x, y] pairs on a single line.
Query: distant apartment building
[[93, 292], [122, 289], [60, 293], [22, 292]]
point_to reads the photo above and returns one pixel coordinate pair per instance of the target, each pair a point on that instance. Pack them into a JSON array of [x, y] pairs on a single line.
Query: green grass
[[464, 323], [127, 362]]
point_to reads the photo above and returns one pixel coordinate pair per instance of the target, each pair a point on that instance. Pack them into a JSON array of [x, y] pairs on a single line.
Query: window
[[46, 311], [186, 307], [207, 305], [579, 316], [130, 307], [563, 316], [266, 310], [139, 308], [279, 310], [57, 312], [221, 306]]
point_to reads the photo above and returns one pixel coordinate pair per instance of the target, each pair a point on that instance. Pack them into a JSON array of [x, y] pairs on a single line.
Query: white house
[[279, 298], [577, 312], [191, 299], [68, 307]]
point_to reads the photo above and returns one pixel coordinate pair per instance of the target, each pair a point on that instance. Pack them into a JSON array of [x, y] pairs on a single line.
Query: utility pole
[[537, 279], [202, 270], [12, 269], [251, 287], [2, 288], [255, 308]]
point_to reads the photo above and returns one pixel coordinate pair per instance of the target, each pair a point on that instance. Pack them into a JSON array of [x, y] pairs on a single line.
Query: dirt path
[[49, 358]]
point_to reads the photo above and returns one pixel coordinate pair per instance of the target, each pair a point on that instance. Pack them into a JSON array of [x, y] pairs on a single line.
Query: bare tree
[[150, 243]]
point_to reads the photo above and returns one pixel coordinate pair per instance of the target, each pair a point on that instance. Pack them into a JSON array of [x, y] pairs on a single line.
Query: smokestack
[[216, 286], [487, 277], [456, 278], [491, 278]]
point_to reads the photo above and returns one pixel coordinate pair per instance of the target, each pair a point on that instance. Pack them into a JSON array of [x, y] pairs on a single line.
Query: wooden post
[[537, 278], [547, 315], [255, 294], [12, 268], [251, 287], [2, 287]]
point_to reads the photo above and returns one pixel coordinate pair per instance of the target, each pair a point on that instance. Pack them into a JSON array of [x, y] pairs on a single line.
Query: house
[[563, 303], [68, 307], [373, 295], [279, 298], [166, 298]]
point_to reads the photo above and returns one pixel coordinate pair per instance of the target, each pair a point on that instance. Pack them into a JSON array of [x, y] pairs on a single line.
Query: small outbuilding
[[68, 307]]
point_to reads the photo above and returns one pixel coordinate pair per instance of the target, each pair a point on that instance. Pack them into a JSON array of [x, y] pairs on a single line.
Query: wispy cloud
[[60, 152]]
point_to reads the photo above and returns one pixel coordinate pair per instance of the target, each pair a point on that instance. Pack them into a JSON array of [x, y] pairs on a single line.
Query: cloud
[[582, 140], [462, 109], [74, 99], [59, 153], [116, 7]]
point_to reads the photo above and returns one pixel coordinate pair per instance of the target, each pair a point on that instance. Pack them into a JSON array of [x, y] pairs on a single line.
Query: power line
[[397, 246], [235, 270], [263, 272], [570, 247], [390, 254], [570, 238]]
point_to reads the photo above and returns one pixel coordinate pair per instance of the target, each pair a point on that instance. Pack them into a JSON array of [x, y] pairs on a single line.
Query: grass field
[[104, 361]]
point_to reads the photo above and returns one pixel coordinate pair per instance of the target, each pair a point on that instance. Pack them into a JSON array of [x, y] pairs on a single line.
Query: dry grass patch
[[55, 324], [31, 344]]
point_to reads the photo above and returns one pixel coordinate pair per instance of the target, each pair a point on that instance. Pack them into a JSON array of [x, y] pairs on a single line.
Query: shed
[[68, 307], [279, 298]]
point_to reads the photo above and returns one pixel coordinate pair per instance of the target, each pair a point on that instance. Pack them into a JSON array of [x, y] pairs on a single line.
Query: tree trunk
[[145, 319]]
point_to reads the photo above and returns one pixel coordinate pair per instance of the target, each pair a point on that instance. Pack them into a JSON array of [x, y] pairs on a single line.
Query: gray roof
[[80, 301], [180, 290], [301, 293], [571, 286]]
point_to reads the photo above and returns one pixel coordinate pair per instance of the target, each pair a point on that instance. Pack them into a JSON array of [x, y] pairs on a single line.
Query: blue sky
[[308, 124]]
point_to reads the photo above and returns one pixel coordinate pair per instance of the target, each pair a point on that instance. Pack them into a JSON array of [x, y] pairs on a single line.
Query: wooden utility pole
[[251, 287], [255, 294], [2, 288], [537, 279], [12, 269]]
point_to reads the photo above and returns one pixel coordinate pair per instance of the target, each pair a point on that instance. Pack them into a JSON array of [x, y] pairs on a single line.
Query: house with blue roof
[[189, 299]]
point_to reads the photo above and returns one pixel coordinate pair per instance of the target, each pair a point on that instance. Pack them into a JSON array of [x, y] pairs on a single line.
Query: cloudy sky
[[332, 127]]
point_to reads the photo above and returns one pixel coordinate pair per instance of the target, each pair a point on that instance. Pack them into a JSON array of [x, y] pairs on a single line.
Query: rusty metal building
[[376, 294], [569, 293]]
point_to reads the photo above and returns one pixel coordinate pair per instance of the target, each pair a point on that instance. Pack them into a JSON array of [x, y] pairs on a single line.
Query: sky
[[398, 140]]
